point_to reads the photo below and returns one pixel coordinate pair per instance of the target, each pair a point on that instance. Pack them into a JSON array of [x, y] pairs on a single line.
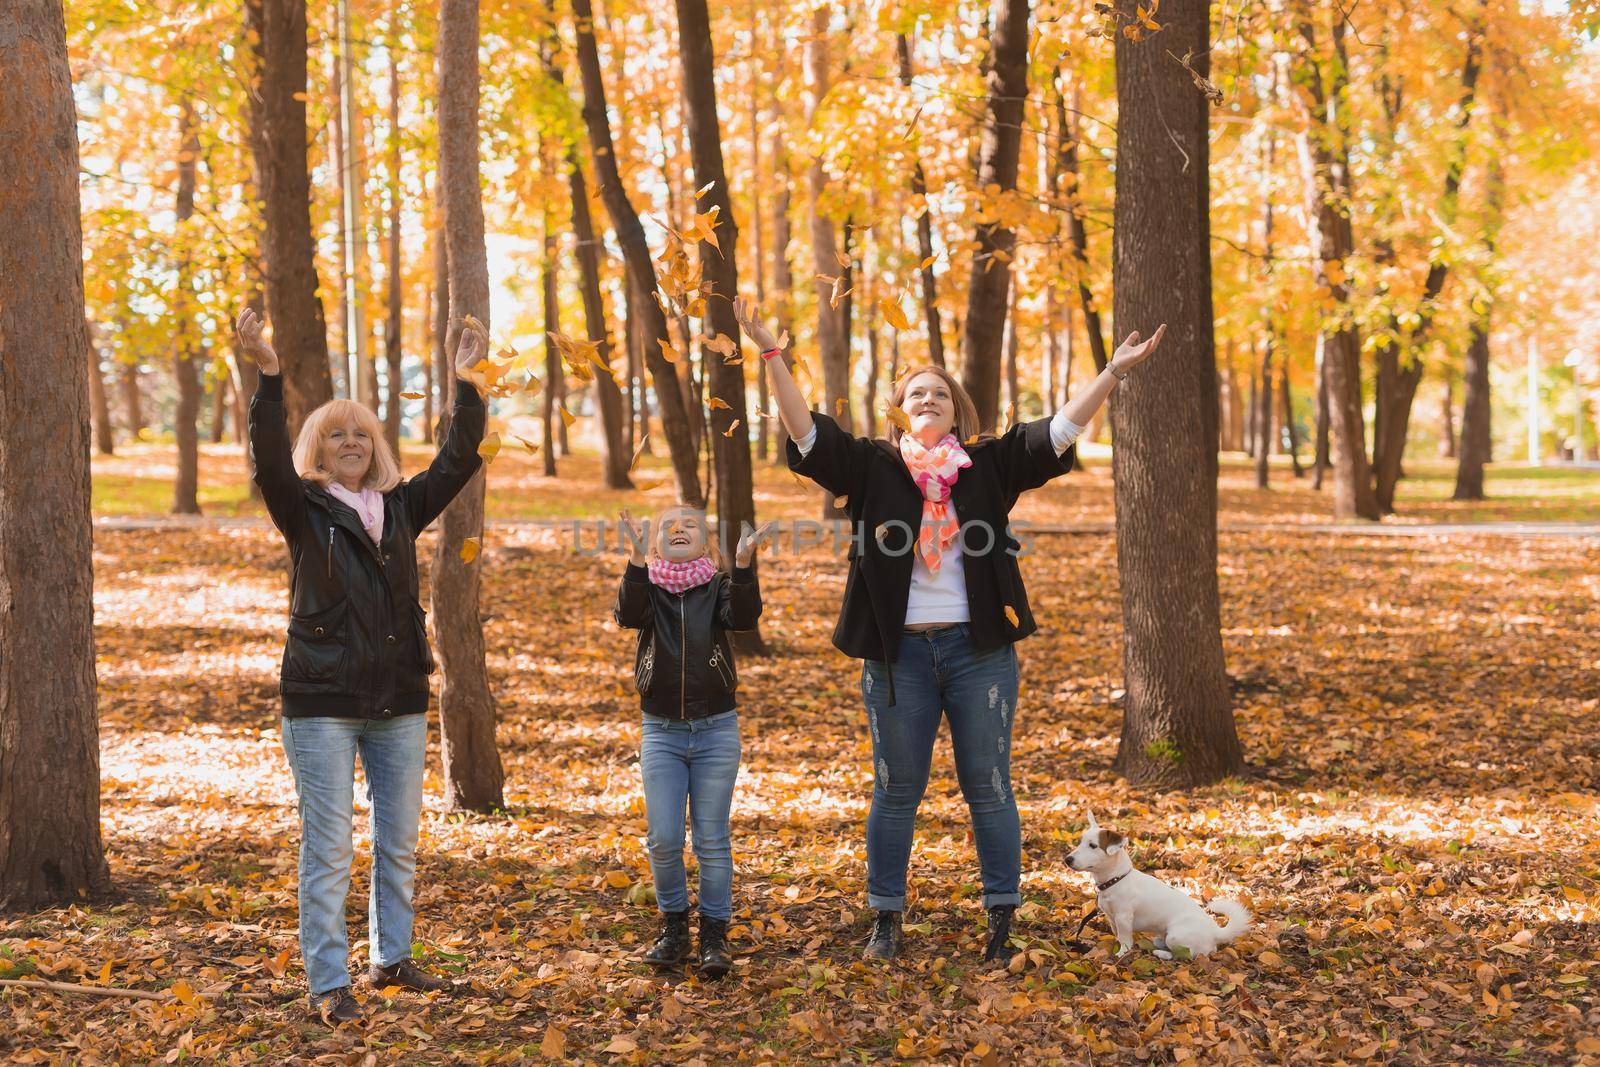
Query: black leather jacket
[[683, 668], [357, 645]]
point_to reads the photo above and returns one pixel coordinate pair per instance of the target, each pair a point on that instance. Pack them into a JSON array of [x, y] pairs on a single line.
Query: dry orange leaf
[[470, 548]]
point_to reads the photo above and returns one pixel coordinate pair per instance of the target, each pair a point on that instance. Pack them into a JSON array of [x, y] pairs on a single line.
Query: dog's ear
[[1093, 822], [1112, 842]]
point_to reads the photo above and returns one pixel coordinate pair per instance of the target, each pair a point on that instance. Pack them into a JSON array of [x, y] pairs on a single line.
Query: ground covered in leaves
[[1416, 835]]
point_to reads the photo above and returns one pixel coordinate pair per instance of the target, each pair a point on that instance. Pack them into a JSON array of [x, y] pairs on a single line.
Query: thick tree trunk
[[474, 777], [833, 344], [1475, 450], [636, 255], [730, 440], [99, 407], [1330, 196], [186, 357], [438, 397], [394, 350], [293, 307], [988, 289], [50, 849], [782, 277], [919, 194], [758, 224], [1177, 727]]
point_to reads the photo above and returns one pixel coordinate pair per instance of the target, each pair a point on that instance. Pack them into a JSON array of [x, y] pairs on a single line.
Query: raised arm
[[1083, 404], [271, 459], [792, 407], [429, 493]]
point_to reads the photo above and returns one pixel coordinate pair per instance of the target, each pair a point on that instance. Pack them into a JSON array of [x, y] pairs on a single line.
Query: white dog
[[1135, 901]]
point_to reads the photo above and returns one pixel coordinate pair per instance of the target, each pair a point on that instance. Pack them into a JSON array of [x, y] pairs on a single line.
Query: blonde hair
[[712, 548], [966, 426], [383, 470]]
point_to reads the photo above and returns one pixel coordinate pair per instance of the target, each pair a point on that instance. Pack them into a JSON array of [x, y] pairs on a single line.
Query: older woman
[[934, 602], [356, 662]]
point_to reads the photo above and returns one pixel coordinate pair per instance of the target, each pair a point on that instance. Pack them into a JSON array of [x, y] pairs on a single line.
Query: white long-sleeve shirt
[[942, 597]]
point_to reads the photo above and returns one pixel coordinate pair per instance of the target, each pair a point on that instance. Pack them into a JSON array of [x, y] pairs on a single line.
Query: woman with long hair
[[934, 603], [356, 661]]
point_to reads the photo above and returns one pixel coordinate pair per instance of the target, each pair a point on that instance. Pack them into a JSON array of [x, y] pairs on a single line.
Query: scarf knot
[[678, 578], [368, 506], [934, 470]]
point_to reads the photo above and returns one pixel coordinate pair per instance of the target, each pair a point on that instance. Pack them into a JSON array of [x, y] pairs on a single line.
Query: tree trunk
[[553, 371], [219, 409], [474, 778], [1400, 363], [1012, 342], [719, 270], [833, 345], [869, 280], [132, 402], [1067, 140], [1252, 406], [1263, 414], [758, 224], [1447, 418], [1000, 152], [438, 395], [185, 359], [50, 849], [1474, 452], [1330, 195], [1320, 456], [394, 351], [919, 196], [293, 307], [99, 408], [1293, 434], [1177, 727], [636, 255], [782, 278], [358, 356]]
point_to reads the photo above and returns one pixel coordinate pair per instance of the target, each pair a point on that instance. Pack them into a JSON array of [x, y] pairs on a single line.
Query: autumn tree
[[636, 256], [293, 306], [186, 356], [50, 848], [833, 340], [474, 777], [1177, 726], [994, 241]]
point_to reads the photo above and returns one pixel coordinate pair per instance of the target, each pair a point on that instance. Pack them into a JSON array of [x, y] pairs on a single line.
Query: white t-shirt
[[942, 597]]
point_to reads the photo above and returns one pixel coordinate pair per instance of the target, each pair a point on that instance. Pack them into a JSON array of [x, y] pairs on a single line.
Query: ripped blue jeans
[[938, 674]]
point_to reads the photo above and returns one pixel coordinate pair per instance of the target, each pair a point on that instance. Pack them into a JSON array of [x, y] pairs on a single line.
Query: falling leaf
[[925, 264], [489, 447], [893, 314], [704, 189], [531, 446], [731, 427], [840, 406], [566, 416], [716, 403], [897, 416], [840, 501], [1011, 616], [669, 353], [469, 549], [647, 484], [411, 396], [844, 260], [638, 451]]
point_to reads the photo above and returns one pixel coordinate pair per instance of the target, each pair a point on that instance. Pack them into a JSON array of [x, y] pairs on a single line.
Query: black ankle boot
[[999, 932], [714, 958], [887, 937], [673, 946]]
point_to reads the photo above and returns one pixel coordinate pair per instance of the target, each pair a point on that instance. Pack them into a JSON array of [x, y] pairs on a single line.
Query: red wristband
[[769, 353]]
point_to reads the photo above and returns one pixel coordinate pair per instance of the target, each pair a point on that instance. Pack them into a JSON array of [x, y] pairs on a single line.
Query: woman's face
[[930, 406], [681, 535], [347, 454]]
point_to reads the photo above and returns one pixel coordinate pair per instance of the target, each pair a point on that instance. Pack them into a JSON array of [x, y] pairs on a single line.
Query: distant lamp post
[[1574, 358]]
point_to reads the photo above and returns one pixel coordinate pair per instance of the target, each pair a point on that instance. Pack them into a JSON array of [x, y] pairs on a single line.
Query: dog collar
[[1101, 887]]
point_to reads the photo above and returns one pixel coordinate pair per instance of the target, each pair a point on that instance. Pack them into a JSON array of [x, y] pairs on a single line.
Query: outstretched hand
[[746, 550], [255, 346], [635, 534], [753, 328], [1132, 350], [471, 346]]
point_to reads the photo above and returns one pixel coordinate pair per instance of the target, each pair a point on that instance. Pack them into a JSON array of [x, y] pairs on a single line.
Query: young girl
[[682, 604]]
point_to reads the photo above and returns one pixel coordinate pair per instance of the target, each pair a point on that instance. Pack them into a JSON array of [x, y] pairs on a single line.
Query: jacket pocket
[[644, 664], [424, 650], [722, 663], [318, 646]]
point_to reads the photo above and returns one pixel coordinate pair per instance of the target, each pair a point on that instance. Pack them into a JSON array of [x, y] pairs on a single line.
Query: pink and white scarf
[[368, 506], [935, 470], [677, 578]]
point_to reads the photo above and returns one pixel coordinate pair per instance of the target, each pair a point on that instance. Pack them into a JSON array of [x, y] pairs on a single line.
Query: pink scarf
[[935, 470], [678, 577], [368, 506]]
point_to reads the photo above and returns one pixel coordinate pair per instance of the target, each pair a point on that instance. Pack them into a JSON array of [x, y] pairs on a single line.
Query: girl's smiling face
[[930, 406], [681, 534]]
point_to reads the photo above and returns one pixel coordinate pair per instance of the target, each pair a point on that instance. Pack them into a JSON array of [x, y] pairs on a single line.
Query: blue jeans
[[322, 754], [693, 763], [939, 673]]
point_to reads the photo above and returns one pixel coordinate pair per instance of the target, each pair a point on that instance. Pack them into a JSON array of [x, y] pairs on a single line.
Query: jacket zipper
[[683, 663], [330, 553]]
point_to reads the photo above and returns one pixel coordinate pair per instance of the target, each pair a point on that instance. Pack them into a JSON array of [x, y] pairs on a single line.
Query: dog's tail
[[1238, 918]]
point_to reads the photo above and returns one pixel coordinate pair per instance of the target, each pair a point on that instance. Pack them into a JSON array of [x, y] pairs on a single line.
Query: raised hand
[[756, 330], [746, 550], [255, 346], [472, 345], [1132, 350], [635, 535]]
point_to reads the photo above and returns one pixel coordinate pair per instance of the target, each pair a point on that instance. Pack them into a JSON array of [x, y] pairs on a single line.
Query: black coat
[[880, 490], [358, 643], [683, 667]]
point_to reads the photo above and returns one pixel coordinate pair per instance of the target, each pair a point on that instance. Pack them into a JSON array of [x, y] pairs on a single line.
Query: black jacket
[[358, 641], [683, 668], [880, 490]]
